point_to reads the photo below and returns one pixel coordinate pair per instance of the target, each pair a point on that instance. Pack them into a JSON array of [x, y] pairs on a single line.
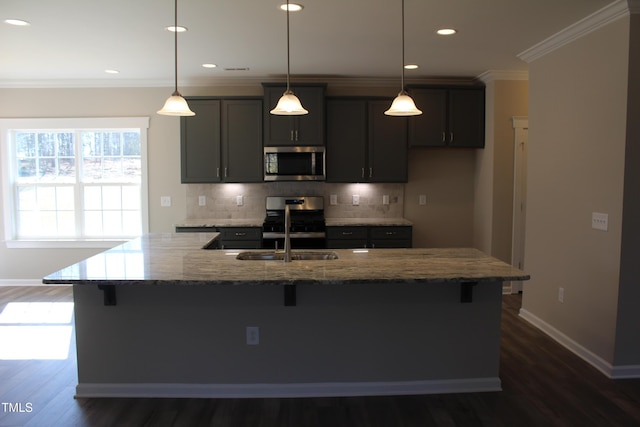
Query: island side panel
[[343, 334]]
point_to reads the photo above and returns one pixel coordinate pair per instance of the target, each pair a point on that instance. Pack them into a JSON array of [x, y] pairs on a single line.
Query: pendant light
[[403, 105], [288, 104], [176, 105]]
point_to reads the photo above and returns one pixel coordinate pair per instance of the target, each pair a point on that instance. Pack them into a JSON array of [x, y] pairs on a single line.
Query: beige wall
[[493, 190], [578, 119]]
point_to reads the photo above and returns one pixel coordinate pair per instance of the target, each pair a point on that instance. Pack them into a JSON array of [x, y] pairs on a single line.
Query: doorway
[[521, 142]]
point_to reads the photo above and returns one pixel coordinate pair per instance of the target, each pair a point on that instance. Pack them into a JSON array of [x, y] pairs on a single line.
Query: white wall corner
[[591, 23]]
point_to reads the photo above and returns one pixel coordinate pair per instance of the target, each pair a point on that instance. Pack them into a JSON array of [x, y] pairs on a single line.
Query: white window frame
[[7, 157]]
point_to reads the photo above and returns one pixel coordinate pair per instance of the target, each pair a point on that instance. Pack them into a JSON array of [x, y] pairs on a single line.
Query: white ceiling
[[72, 42]]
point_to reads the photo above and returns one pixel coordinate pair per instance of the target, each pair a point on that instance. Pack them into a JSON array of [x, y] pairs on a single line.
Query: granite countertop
[[177, 258], [257, 222]]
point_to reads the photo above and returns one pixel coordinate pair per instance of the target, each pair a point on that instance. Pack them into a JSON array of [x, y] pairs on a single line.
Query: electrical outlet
[[333, 199], [422, 200], [202, 201], [165, 201], [385, 199], [253, 335], [600, 221], [239, 200], [355, 199], [560, 294]]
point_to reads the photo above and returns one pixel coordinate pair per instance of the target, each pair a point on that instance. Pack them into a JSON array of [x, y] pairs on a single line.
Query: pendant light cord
[[288, 54], [402, 76], [175, 47]]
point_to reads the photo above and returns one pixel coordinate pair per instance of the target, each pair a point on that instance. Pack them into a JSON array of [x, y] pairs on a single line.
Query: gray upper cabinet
[[364, 145], [222, 142], [302, 130], [452, 117]]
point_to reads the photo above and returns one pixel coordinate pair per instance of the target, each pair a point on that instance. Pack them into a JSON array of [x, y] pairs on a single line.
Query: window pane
[[66, 169], [131, 144], [26, 168], [65, 199], [112, 223], [92, 169], [131, 197], [112, 144], [46, 144], [111, 198], [66, 223], [25, 144], [46, 198], [131, 225], [92, 198], [27, 198], [93, 223], [65, 145]]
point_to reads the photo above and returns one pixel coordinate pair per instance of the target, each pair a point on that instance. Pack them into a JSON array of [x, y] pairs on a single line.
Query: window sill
[[62, 244]]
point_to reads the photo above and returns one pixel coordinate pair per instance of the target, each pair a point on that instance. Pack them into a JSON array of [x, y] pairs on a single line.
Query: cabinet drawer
[[346, 233], [390, 233], [188, 229], [240, 233]]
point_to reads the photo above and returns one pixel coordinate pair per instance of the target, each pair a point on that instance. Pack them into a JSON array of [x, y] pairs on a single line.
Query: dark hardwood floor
[[543, 385]]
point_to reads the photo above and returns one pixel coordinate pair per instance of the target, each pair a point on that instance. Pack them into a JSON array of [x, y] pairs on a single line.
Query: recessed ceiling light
[[209, 65], [293, 7], [411, 67], [17, 22], [447, 31], [179, 28], [111, 71]]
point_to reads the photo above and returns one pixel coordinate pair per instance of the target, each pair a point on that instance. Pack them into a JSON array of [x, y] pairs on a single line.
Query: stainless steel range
[[307, 230]]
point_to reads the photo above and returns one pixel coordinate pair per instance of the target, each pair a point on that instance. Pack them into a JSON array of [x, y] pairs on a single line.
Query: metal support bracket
[[109, 294], [289, 295], [466, 291]]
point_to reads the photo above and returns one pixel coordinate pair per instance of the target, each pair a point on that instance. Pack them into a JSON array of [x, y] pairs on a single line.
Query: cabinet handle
[[370, 172], [451, 139], [296, 134], [292, 135], [443, 137], [390, 233], [241, 234], [363, 172], [347, 233], [217, 172], [225, 173]]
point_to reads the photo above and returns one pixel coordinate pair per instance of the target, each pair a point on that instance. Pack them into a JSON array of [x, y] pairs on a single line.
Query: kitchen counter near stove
[[161, 317], [219, 222], [369, 222]]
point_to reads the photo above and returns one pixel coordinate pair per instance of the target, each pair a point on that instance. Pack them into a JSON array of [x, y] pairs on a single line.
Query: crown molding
[[493, 75], [591, 23]]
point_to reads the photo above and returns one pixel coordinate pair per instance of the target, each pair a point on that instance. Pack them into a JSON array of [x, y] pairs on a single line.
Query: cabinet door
[[430, 128], [307, 129], [466, 118], [346, 140], [200, 142], [242, 140], [387, 145]]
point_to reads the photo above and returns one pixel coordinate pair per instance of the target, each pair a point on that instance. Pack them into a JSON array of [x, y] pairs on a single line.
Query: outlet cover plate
[[600, 221]]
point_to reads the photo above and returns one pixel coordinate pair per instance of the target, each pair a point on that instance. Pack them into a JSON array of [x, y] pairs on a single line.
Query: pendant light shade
[[176, 105], [403, 104], [288, 104]]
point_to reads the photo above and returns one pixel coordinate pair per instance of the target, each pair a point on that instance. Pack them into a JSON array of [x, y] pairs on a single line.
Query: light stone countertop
[[177, 258], [221, 222]]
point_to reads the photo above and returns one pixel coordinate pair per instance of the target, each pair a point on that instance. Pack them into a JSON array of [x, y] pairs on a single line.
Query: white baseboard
[[470, 385], [613, 372]]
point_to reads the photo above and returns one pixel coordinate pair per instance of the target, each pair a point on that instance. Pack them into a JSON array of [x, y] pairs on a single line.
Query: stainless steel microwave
[[294, 164]]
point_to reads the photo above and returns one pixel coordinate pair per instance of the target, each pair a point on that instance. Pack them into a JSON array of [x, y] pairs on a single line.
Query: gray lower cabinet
[[351, 237], [230, 237], [364, 145], [222, 142]]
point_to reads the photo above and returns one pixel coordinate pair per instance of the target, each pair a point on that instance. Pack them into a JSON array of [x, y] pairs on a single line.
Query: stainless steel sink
[[279, 256]]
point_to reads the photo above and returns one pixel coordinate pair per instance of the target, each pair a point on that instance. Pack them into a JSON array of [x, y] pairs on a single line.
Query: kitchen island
[[161, 317]]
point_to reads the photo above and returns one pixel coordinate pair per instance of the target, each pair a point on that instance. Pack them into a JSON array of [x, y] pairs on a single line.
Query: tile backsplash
[[222, 199]]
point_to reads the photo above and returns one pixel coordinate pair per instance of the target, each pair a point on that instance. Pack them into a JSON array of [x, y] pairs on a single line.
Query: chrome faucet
[[287, 234]]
